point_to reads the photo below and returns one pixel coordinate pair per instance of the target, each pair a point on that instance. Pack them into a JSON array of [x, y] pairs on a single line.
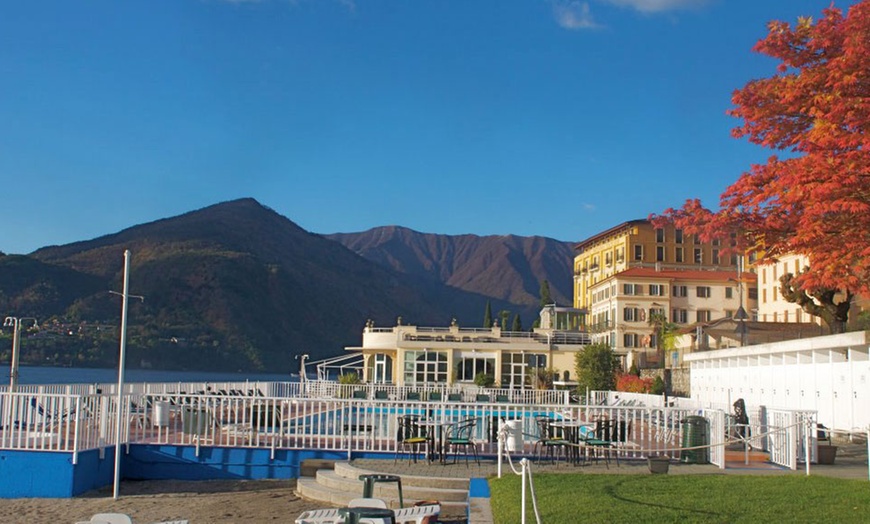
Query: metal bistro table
[[575, 432], [439, 427]]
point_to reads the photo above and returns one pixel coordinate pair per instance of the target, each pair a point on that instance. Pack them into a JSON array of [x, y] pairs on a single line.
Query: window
[[715, 257], [632, 314], [764, 296], [660, 253], [703, 291], [678, 254], [678, 236], [469, 367], [516, 368], [638, 252], [628, 289], [696, 239], [660, 235], [631, 340], [729, 292], [657, 311], [680, 291], [608, 259], [729, 313], [620, 254], [423, 367], [656, 290], [773, 269], [702, 315], [680, 316], [753, 293], [775, 294], [699, 255]]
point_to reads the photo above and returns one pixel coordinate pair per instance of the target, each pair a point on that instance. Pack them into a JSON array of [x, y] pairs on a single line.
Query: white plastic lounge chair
[[108, 518], [412, 515]]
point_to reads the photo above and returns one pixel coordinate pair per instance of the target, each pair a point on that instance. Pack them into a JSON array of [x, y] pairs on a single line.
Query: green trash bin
[[695, 433], [194, 421]]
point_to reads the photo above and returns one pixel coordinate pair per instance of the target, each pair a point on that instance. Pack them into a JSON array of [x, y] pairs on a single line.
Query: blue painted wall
[[176, 462], [44, 474]]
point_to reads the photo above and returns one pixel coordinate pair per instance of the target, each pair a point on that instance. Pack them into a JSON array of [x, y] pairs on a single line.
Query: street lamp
[[15, 324]]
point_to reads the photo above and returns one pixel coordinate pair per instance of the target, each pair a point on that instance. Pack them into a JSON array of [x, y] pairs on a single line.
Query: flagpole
[[121, 361]]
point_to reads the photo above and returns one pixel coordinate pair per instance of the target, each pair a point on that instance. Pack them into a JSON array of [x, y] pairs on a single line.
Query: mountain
[[508, 267], [231, 286]]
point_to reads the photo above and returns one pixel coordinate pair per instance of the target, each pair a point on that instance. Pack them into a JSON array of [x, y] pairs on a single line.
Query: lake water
[[53, 375]]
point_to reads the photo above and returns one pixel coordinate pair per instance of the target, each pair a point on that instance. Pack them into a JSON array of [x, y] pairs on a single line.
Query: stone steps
[[338, 486]]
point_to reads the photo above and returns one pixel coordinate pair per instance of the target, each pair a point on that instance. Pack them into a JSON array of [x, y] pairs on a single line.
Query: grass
[[683, 498]]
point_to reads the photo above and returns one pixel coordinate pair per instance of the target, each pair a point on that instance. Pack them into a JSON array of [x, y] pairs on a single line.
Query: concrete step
[[313, 490], [309, 467], [389, 490], [348, 470]]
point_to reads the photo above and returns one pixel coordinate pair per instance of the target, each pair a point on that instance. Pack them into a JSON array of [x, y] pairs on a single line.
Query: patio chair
[[481, 398], [461, 436], [549, 439], [410, 436], [435, 396], [413, 395], [454, 397], [360, 394], [381, 395], [502, 398], [600, 440]]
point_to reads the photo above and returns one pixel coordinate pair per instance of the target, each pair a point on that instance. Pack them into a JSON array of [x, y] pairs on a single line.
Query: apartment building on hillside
[[622, 304]]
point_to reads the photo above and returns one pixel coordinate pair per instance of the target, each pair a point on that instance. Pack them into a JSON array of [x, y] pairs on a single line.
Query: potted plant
[[658, 463], [826, 454]]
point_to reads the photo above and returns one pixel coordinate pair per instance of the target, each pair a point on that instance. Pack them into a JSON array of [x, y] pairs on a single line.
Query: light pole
[[15, 324]]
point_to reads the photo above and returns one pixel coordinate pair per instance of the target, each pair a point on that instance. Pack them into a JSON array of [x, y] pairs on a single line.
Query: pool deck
[[851, 463]]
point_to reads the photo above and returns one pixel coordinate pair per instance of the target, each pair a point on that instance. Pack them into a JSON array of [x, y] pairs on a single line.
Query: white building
[[829, 374]]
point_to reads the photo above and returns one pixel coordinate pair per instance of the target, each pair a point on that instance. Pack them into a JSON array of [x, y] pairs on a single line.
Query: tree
[[818, 302], [504, 315], [665, 332], [517, 324], [546, 299], [595, 366], [487, 316], [816, 200]]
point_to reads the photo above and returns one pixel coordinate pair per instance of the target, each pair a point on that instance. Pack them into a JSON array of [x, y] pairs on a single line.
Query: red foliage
[[817, 200], [633, 383]]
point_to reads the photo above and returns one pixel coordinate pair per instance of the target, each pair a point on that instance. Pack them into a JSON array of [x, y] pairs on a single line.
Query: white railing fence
[[246, 415]]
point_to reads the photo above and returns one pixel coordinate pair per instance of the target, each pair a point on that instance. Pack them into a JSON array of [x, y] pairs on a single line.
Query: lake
[[58, 375]]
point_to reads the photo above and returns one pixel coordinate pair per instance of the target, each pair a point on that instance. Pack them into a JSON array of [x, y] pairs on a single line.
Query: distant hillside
[[509, 268], [231, 286]]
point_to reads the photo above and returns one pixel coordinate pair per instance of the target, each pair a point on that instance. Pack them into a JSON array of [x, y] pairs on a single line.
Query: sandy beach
[[201, 502]]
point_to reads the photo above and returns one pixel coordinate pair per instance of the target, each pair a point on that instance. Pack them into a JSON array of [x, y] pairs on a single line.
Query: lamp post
[[740, 316], [15, 324]]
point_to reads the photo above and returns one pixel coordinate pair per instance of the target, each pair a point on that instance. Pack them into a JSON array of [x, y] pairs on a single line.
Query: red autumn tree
[[816, 199]]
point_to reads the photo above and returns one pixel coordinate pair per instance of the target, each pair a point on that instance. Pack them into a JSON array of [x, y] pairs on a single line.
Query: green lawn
[[569, 498]]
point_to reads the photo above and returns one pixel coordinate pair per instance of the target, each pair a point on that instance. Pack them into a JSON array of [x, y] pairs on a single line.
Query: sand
[[202, 502]]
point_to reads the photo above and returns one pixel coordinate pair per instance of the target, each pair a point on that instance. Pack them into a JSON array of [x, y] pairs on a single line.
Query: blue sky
[[530, 117]]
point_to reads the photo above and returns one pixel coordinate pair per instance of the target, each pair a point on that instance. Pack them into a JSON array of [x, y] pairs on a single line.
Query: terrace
[[265, 430]]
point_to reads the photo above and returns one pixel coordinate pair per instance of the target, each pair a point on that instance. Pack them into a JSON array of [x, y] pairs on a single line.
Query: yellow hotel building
[[637, 243]]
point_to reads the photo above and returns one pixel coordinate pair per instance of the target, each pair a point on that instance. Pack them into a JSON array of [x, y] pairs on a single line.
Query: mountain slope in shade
[[509, 268], [238, 286]]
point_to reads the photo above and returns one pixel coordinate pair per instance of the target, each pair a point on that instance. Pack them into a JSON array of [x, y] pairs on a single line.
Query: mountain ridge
[[235, 286]]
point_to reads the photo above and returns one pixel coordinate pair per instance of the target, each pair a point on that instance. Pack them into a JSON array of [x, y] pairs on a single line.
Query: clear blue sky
[[529, 117]]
